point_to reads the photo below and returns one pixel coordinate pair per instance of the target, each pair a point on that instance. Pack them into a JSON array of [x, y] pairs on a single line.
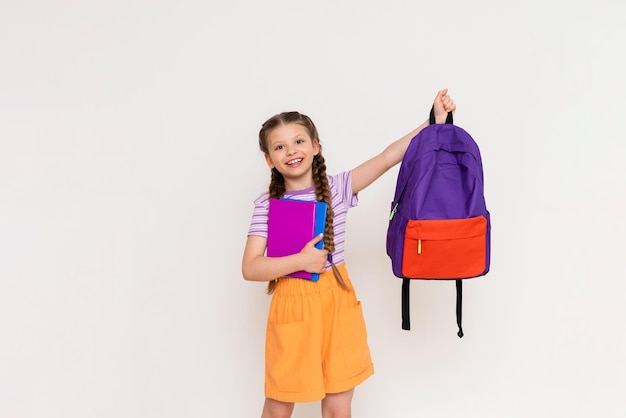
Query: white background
[[129, 164]]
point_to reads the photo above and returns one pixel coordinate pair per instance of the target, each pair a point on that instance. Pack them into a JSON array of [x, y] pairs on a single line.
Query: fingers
[[314, 260], [441, 94], [448, 104], [446, 101], [315, 240], [311, 245]]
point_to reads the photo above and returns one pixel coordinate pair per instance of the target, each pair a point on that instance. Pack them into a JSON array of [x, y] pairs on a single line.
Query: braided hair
[[320, 180]]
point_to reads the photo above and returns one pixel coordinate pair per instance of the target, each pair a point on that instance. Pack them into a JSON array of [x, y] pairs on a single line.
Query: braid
[[277, 185], [322, 194]]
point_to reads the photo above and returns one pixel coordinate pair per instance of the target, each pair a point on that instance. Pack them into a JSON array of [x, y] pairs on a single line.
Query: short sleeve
[[343, 186], [258, 224]]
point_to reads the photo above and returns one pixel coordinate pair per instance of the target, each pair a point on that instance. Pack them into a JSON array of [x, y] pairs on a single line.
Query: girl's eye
[[299, 141], [278, 147]]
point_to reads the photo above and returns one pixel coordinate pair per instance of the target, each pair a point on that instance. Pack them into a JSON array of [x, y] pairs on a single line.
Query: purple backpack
[[439, 226]]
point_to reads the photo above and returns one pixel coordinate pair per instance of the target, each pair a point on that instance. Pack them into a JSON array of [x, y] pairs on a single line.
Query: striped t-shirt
[[342, 198]]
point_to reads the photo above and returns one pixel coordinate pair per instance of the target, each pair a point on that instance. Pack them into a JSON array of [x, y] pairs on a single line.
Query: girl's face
[[291, 152]]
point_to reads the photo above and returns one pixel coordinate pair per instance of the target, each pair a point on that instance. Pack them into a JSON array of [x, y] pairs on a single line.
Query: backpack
[[439, 226]]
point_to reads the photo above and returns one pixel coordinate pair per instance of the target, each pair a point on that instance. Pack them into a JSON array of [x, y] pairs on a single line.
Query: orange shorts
[[316, 341]]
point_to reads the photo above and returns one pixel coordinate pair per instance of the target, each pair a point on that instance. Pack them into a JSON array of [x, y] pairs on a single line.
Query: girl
[[316, 344]]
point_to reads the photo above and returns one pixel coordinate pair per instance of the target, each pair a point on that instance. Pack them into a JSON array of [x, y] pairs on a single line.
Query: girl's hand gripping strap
[[431, 118]]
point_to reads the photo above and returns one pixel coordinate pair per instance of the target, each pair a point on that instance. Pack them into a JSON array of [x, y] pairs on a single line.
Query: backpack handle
[[432, 121]]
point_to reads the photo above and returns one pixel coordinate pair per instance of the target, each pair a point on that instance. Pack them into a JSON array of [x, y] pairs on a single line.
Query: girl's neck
[[296, 185]]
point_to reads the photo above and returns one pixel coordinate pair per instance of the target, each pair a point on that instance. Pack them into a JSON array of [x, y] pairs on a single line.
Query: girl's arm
[[369, 171], [259, 268]]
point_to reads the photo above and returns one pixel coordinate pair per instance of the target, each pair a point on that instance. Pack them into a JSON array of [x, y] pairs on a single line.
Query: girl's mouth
[[294, 162]]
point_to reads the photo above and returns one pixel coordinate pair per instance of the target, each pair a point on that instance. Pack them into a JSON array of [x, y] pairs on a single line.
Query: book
[[291, 225]]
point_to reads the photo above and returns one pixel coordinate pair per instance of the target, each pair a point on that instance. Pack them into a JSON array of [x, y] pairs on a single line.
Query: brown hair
[[320, 180]]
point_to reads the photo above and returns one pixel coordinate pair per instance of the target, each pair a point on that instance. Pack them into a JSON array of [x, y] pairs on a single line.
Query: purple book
[[291, 224]]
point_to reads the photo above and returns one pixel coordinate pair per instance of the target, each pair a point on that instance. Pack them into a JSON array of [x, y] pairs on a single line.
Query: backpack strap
[[459, 302], [406, 316]]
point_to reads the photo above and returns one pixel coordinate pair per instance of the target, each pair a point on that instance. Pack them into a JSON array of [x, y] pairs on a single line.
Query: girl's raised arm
[[366, 173]]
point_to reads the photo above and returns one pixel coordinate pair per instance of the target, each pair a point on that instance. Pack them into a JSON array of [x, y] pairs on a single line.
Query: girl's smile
[[291, 152]]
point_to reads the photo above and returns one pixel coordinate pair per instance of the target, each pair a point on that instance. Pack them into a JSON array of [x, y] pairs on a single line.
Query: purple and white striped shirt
[[342, 198]]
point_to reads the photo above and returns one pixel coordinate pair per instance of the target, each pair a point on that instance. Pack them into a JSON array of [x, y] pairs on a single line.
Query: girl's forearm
[[265, 269], [369, 171], [394, 153]]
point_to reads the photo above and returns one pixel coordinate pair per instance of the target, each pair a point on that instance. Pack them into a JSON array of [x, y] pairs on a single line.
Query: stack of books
[[291, 225]]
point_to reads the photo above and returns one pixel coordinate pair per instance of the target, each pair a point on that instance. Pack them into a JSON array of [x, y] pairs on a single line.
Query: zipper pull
[[419, 246], [393, 211]]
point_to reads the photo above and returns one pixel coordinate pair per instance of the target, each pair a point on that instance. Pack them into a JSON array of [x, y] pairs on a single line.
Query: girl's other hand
[[442, 105], [313, 259]]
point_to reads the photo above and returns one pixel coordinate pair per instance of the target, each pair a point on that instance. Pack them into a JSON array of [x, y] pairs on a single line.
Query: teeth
[[297, 160]]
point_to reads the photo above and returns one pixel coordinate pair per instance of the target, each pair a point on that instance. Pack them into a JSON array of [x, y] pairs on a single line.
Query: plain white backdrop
[[129, 164]]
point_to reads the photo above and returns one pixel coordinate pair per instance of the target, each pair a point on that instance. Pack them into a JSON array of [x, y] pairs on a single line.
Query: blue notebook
[[291, 224]]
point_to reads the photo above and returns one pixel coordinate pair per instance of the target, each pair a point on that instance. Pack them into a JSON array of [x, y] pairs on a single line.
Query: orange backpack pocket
[[445, 248]]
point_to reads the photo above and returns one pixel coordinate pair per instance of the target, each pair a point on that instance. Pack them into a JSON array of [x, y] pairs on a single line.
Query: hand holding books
[[314, 259]]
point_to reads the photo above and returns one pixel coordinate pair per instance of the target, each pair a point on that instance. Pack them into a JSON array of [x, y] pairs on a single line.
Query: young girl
[[316, 344]]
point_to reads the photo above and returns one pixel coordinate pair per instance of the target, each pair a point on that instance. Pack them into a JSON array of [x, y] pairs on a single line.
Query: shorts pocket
[[287, 356], [445, 248]]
